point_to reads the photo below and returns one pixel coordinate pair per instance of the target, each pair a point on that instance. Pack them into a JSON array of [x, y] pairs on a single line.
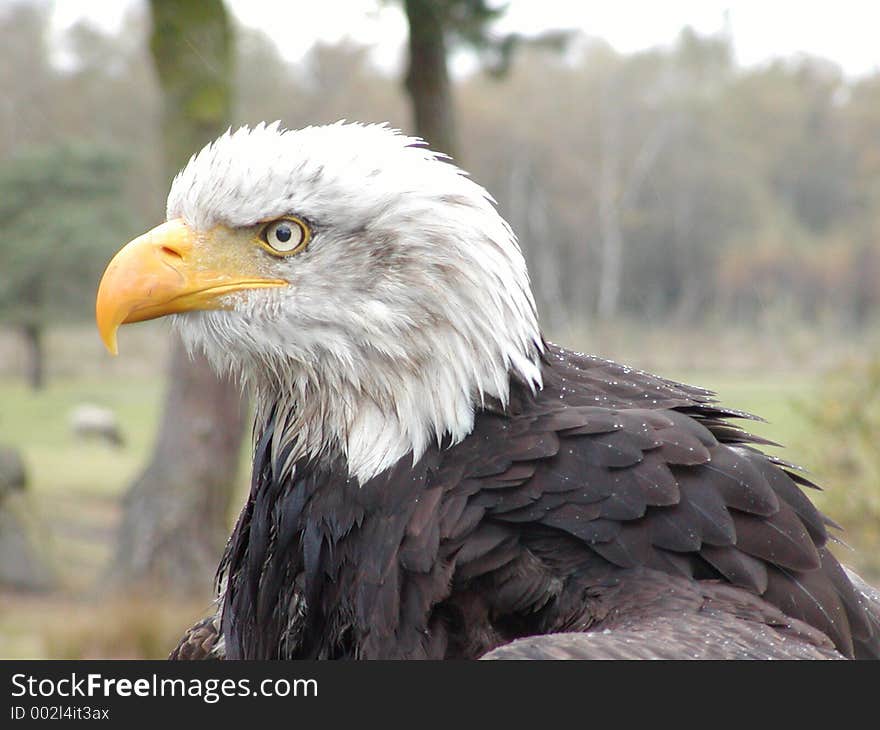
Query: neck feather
[[380, 412]]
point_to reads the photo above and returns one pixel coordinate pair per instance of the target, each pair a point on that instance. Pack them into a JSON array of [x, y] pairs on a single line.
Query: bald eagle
[[431, 478]]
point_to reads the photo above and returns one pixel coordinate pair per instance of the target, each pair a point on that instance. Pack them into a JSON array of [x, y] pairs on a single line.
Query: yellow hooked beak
[[174, 269]]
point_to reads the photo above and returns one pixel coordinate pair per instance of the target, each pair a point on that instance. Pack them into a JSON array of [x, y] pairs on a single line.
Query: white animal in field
[[89, 421]]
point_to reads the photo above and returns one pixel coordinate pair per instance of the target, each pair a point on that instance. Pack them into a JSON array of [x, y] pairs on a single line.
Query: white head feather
[[410, 306]]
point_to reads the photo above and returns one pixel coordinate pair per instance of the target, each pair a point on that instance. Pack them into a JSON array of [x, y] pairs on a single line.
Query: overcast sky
[[845, 31]]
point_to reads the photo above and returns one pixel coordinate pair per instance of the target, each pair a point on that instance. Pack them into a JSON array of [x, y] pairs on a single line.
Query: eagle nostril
[[168, 251]]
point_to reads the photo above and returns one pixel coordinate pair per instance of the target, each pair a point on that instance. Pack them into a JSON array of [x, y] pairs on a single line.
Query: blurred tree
[[25, 562], [332, 82], [847, 404], [27, 115], [427, 76], [433, 26], [176, 511], [751, 190], [61, 216]]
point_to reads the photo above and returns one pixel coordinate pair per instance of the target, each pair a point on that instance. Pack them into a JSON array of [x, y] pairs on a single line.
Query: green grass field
[[76, 488]]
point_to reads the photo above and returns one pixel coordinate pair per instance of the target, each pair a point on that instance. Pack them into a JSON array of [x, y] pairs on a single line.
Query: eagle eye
[[285, 236]]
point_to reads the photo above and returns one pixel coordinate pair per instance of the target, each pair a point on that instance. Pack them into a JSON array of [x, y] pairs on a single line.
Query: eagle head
[[363, 286]]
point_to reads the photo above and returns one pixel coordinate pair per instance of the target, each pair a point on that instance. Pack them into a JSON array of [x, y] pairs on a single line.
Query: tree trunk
[[175, 513], [175, 518], [530, 218], [610, 231], [25, 563], [35, 364], [427, 77], [617, 193]]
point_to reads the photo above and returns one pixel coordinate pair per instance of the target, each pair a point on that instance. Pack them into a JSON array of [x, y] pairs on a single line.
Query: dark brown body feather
[[610, 500]]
